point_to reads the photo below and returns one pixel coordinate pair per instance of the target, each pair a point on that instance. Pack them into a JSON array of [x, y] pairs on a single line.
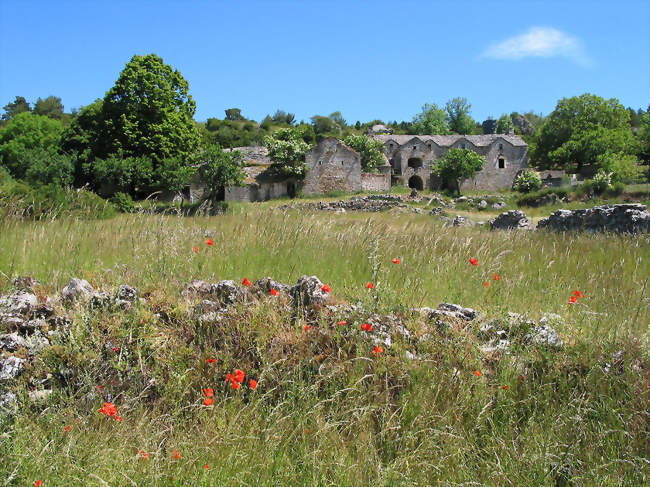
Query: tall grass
[[328, 412]]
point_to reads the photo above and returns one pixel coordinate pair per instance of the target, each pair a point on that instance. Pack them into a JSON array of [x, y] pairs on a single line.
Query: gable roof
[[449, 140]]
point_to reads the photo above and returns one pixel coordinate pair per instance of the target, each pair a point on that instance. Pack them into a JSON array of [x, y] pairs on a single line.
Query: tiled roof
[[449, 140]]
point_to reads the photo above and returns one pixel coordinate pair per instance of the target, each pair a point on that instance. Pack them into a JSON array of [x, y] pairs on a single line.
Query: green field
[[327, 411]]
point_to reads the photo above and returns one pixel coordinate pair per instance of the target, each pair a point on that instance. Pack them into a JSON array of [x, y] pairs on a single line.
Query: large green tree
[[457, 165], [26, 132], [579, 131], [220, 170], [371, 150], [19, 105], [432, 120], [49, 107], [287, 150], [149, 112], [459, 116]]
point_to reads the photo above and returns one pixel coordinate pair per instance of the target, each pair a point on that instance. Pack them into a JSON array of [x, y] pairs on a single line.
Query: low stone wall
[[375, 182], [627, 218]]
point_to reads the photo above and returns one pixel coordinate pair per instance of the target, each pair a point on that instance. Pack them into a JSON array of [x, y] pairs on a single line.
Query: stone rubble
[[510, 220], [623, 218]]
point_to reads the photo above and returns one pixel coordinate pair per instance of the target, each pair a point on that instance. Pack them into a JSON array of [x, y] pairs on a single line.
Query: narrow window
[[342, 163], [430, 147], [502, 163], [500, 146], [413, 147], [320, 163]]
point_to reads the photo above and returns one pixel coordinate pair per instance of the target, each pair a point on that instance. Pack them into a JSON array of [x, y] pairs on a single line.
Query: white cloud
[[543, 42]]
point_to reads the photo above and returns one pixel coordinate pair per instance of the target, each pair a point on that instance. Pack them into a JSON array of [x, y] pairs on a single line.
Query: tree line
[[141, 137]]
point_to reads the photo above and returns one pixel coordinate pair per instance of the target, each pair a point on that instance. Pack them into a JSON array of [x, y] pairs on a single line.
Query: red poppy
[[473, 261], [578, 294], [325, 288], [195, 249], [253, 384], [396, 261], [38, 483], [486, 283], [67, 428], [230, 377], [496, 277], [209, 242], [118, 418], [477, 373], [573, 299], [370, 285], [246, 282], [143, 454], [366, 327], [343, 323], [274, 292], [100, 387], [505, 388], [377, 350], [307, 327], [239, 375], [208, 402], [116, 349], [234, 385], [208, 392], [176, 454], [211, 360], [206, 466], [108, 409]]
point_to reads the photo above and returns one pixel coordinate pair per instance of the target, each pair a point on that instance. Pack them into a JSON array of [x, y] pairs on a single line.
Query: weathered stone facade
[[413, 157], [332, 166]]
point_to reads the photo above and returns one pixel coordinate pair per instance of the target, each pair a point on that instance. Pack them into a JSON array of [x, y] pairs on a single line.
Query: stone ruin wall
[[332, 166]]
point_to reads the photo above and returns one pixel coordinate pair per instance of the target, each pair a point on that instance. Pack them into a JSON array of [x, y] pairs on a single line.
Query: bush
[[601, 182], [543, 197], [527, 181], [123, 202]]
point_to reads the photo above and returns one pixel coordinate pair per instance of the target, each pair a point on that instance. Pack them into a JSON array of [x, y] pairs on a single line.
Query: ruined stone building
[[412, 158]]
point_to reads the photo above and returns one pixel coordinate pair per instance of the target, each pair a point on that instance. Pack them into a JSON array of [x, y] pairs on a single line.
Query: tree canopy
[[459, 164], [219, 171], [49, 107], [432, 120], [371, 150], [19, 105], [458, 116], [287, 150]]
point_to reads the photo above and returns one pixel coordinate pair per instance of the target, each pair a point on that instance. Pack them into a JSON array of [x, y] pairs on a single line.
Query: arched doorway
[[291, 189], [415, 162], [415, 182]]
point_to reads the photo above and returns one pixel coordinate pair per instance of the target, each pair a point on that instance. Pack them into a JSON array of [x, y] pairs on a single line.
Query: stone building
[[412, 158], [333, 166]]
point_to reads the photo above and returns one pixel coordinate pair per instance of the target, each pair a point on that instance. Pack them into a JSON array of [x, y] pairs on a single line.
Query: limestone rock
[[127, 293], [77, 289], [20, 303], [308, 291], [197, 288], [11, 367], [461, 221], [263, 286], [545, 335], [624, 218], [228, 292], [40, 396], [12, 342], [499, 205], [482, 205], [8, 403], [510, 220]]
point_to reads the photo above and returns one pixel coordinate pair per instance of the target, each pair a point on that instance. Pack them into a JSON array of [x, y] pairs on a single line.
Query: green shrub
[[542, 197], [123, 202], [527, 181]]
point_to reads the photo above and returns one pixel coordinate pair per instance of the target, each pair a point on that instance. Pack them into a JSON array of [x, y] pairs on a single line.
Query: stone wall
[[376, 182], [332, 166], [627, 218], [263, 191]]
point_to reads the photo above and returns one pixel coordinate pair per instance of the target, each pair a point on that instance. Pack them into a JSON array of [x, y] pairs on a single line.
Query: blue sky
[[369, 60]]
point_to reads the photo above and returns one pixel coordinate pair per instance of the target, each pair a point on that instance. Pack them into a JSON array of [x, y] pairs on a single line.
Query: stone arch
[[416, 182], [415, 162]]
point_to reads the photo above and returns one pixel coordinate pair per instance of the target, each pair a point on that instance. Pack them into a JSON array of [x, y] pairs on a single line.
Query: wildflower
[[377, 350], [477, 373], [210, 242], [208, 402], [473, 261], [370, 285], [116, 349], [67, 428], [246, 282], [325, 288], [234, 385], [274, 292], [100, 387], [230, 377], [486, 284], [208, 392], [195, 249], [176, 454], [143, 454], [496, 277], [206, 467], [211, 360], [343, 323], [573, 300], [505, 388], [239, 376], [38, 483], [578, 294], [308, 431], [396, 261], [307, 327], [253, 384], [108, 409], [366, 327], [118, 418]]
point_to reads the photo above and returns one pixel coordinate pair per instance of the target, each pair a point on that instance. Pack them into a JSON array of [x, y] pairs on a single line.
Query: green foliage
[[622, 167], [148, 113], [19, 105], [123, 202], [49, 107], [371, 150], [83, 137], [325, 126], [459, 164], [234, 114], [581, 129], [458, 116], [26, 132], [219, 171], [44, 167], [431, 121], [527, 181], [287, 150], [132, 175], [282, 117], [644, 138], [601, 182], [504, 124]]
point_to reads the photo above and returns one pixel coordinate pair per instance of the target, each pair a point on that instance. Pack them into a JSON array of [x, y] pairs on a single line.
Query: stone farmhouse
[[412, 158]]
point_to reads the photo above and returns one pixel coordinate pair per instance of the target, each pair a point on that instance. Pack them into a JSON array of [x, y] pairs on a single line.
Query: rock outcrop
[[510, 220], [624, 218]]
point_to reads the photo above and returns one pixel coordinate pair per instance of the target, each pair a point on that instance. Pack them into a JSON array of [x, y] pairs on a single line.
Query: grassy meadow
[[327, 412]]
